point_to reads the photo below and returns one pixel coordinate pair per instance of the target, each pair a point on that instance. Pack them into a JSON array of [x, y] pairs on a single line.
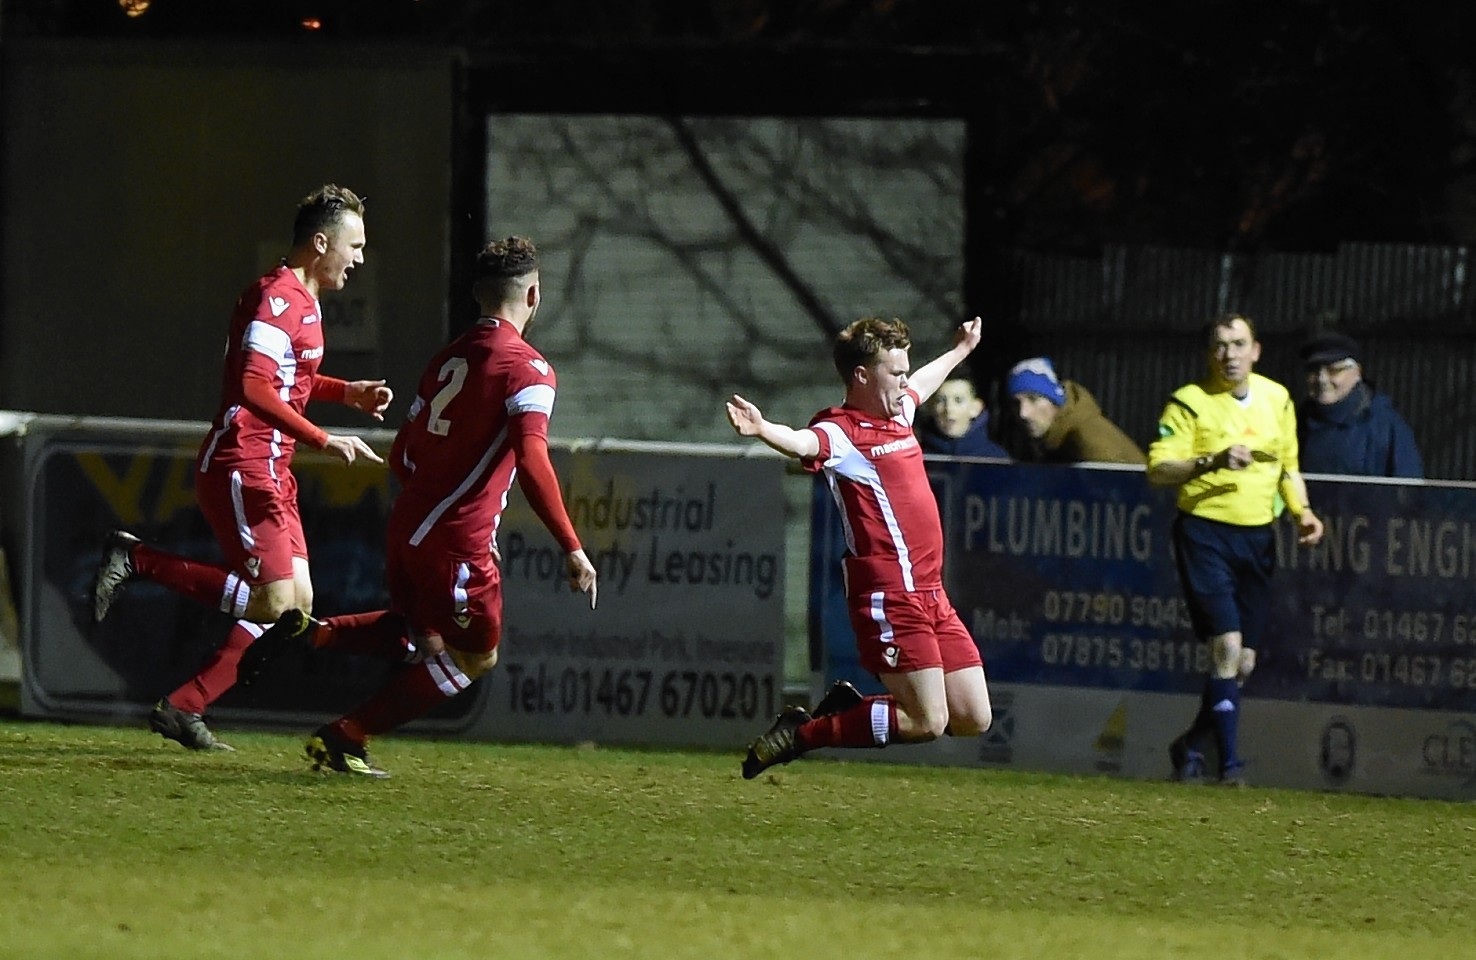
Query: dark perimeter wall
[[145, 187]]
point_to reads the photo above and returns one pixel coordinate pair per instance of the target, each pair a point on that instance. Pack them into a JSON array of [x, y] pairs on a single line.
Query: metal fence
[[1127, 327]]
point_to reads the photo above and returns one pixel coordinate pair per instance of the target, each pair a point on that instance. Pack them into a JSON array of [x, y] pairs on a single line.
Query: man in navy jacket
[[1346, 426]]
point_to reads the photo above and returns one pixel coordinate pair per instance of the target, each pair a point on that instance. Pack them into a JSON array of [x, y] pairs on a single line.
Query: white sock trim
[[447, 674], [881, 722], [233, 599]]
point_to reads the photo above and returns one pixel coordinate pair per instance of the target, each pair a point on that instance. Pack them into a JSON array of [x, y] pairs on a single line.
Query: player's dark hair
[[1225, 320], [862, 343], [501, 267], [323, 210]]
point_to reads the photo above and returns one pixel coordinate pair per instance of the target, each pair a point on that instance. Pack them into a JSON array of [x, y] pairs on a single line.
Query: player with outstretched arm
[[907, 632]]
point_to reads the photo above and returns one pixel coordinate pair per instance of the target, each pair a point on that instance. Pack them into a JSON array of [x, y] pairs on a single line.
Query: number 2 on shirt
[[455, 369]]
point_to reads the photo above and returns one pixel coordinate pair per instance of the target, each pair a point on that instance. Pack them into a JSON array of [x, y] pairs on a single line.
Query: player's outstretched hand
[[969, 333], [744, 416], [348, 448], [370, 396], [581, 575]]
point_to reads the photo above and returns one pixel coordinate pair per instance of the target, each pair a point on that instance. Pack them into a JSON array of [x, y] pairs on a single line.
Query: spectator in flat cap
[[1346, 426], [1062, 421]]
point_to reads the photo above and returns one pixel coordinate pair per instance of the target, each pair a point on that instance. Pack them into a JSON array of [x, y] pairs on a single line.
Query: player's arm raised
[[749, 421], [926, 379]]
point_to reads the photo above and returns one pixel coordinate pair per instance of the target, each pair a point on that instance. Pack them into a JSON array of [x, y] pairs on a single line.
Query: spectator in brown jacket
[[1063, 421]]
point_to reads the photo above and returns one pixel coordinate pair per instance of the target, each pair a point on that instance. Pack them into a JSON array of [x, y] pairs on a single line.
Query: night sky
[[1290, 125]]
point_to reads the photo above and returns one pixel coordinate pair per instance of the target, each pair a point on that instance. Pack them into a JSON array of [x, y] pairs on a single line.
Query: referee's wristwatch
[[1203, 464]]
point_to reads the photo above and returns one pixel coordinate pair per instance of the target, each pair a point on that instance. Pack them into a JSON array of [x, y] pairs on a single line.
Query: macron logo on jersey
[[279, 306], [310, 318], [312, 353], [893, 447], [541, 366]]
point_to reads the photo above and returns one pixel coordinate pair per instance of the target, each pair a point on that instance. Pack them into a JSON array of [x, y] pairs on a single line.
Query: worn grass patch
[[115, 844]]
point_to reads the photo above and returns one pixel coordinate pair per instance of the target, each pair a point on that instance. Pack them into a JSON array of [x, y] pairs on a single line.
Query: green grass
[[115, 844]]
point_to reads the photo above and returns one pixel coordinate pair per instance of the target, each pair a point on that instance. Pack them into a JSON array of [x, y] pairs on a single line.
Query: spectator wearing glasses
[[1344, 424]]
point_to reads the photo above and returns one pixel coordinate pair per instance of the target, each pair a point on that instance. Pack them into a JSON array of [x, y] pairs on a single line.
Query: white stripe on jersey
[[216, 434], [267, 339], [848, 462], [539, 398], [270, 341], [461, 488]]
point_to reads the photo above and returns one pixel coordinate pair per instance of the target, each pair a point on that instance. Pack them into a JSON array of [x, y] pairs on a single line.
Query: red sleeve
[[259, 393], [329, 389], [528, 433]]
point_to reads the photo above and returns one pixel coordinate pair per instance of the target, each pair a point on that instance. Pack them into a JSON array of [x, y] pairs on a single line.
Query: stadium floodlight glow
[[134, 8]]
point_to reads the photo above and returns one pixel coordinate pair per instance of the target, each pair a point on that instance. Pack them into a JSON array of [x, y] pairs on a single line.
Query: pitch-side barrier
[[1366, 681], [685, 648]]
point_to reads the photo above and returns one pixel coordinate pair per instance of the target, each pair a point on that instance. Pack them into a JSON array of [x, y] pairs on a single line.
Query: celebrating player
[[907, 632], [480, 418], [244, 481]]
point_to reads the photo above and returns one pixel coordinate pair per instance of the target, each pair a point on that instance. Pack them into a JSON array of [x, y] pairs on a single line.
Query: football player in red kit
[[907, 632], [243, 480], [479, 419]]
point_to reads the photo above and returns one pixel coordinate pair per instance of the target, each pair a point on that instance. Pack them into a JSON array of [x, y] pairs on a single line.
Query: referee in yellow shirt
[[1229, 443]]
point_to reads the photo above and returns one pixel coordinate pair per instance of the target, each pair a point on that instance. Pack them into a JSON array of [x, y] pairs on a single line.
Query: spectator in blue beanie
[[1346, 426], [1063, 421]]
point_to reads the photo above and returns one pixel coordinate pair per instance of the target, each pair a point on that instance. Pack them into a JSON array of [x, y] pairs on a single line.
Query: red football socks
[[202, 582], [412, 692], [219, 672], [850, 728]]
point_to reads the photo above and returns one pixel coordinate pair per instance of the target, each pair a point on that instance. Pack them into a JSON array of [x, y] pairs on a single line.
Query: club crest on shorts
[[253, 566], [891, 655], [463, 620]]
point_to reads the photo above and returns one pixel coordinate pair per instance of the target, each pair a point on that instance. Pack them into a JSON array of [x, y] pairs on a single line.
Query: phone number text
[[1167, 656], [709, 695]]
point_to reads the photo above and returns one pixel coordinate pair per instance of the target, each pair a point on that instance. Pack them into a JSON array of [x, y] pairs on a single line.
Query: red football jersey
[[279, 318], [875, 471], [452, 454]]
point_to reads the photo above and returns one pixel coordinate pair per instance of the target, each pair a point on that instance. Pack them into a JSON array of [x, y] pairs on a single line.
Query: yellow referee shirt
[[1197, 423]]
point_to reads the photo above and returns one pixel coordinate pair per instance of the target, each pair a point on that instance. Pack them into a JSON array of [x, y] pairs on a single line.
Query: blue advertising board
[[1065, 576]]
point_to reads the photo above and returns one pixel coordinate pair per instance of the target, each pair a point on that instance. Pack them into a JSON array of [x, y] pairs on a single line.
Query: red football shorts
[[437, 591], [898, 631], [255, 521]]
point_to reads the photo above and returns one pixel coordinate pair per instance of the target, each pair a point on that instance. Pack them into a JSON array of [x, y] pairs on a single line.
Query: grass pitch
[[116, 844]]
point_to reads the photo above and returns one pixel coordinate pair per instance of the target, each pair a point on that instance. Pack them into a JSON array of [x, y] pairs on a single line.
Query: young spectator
[[1063, 421], [1344, 425], [957, 423]]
